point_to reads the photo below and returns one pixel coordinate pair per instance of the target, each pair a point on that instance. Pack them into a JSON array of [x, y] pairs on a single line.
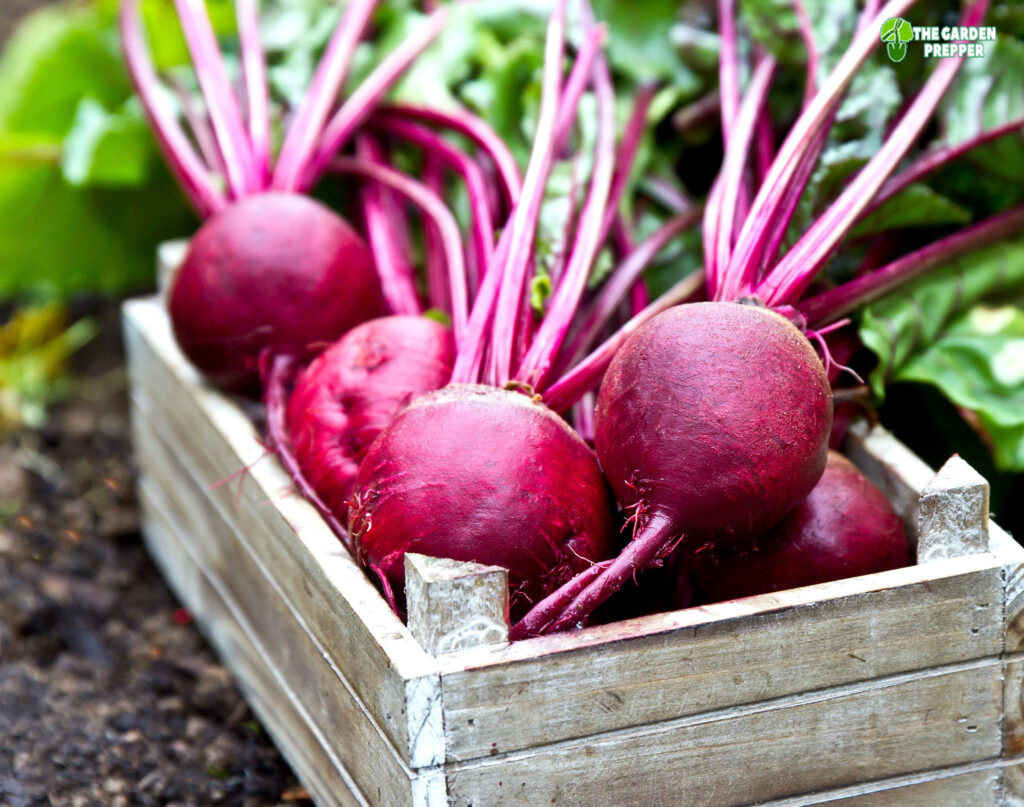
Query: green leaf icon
[[896, 32]]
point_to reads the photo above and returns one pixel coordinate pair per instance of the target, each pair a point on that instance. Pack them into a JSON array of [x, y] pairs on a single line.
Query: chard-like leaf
[[914, 206], [977, 362], [110, 149], [912, 320]]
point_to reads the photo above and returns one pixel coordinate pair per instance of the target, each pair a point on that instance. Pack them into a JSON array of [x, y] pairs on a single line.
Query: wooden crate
[[900, 688]]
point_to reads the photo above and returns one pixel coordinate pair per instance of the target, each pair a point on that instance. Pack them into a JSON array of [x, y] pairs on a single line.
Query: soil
[[108, 693]]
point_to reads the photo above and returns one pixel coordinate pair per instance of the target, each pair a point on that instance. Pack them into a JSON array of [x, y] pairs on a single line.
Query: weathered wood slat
[[748, 755], [300, 661], [391, 673], [976, 784], [292, 730], [692, 661]]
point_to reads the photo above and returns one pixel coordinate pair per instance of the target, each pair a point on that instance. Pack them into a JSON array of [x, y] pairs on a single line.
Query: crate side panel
[[973, 785], [333, 708], [366, 641], [322, 775], [753, 754], [709, 660]]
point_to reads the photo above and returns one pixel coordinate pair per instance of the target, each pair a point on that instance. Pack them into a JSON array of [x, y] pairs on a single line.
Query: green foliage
[[34, 348], [84, 197], [955, 330]]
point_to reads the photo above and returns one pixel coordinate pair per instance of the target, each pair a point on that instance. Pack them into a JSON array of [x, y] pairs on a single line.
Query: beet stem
[[436, 211], [462, 164], [221, 102], [185, 164], [360, 104], [475, 129], [588, 373], [791, 276], [300, 142], [387, 241], [757, 227], [836, 303], [254, 72]]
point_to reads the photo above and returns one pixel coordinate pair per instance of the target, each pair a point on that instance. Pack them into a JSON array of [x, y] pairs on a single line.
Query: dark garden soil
[[108, 693]]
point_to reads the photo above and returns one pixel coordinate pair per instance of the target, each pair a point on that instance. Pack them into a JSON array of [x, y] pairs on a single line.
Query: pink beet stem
[[728, 67], [221, 103], [936, 159], [625, 157], [397, 275], [199, 123], [477, 130], [624, 277], [734, 168], [791, 276], [836, 303], [757, 230], [537, 362], [576, 83], [278, 372], [360, 104], [523, 223], [254, 71], [182, 159], [588, 373], [813, 59], [436, 211], [433, 248], [303, 133], [462, 164]]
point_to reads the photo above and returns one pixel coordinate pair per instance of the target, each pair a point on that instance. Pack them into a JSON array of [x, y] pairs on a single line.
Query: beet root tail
[[580, 597]]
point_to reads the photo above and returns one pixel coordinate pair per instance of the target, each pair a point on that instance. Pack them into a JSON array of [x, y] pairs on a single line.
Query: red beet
[[843, 528], [353, 389], [477, 473], [712, 423], [272, 270]]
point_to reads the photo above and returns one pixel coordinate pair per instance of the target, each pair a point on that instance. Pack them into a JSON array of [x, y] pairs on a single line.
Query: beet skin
[[843, 528], [273, 270], [712, 423], [715, 416], [352, 390], [477, 473]]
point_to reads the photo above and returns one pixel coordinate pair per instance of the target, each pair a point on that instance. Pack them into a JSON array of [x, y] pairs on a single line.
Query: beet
[[272, 270], [353, 389], [843, 528], [477, 473], [712, 423]]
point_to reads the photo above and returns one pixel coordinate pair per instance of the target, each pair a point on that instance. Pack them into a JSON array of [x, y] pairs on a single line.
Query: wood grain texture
[[977, 784], [454, 606], [952, 513], [749, 755], [292, 730], [256, 604], [682, 663], [393, 676]]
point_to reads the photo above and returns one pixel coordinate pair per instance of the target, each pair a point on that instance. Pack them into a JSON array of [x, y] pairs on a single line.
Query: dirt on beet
[[108, 693]]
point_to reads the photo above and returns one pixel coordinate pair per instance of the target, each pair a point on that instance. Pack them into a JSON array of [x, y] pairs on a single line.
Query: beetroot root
[[477, 473], [712, 423], [273, 270], [352, 390], [843, 528]]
